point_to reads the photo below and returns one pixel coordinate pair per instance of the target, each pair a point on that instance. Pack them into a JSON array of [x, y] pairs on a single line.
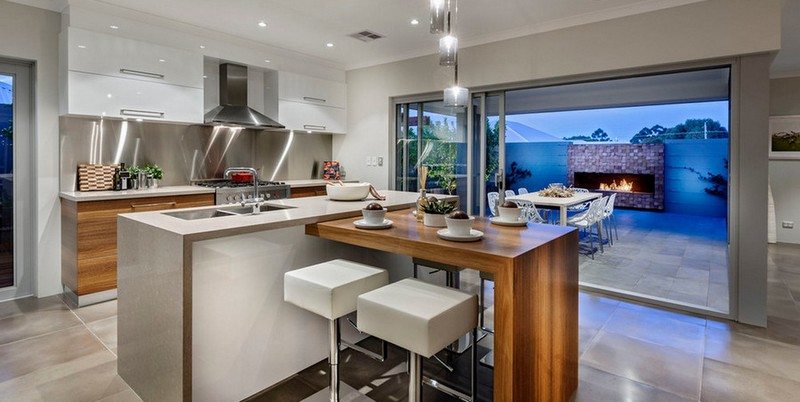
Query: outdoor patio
[[680, 258]]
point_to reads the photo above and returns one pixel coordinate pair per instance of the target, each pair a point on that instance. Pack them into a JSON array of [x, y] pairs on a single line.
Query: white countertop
[[304, 211], [312, 182], [79, 196]]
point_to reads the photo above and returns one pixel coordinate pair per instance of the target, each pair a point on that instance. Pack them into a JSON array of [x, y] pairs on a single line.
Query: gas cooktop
[[231, 184]]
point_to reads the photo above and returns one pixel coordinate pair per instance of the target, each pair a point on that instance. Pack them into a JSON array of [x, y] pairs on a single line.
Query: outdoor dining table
[[561, 203]]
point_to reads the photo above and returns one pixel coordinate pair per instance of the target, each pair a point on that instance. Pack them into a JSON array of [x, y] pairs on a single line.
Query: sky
[[621, 124], [6, 79]]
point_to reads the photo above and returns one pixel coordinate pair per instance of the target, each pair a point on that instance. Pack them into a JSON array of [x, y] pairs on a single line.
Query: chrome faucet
[[256, 195]]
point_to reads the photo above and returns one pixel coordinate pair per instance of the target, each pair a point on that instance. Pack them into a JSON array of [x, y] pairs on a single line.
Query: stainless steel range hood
[[233, 109]]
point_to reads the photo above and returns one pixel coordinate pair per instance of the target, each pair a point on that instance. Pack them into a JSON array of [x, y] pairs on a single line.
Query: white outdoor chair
[[510, 193], [608, 217], [589, 219], [579, 207], [522, 190], [529, 212], [492, 197]]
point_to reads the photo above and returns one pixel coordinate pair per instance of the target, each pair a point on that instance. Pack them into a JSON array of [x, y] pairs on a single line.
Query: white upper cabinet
[[314, 118], [301, 88], [106, 75], [94, 52], [311, 104]]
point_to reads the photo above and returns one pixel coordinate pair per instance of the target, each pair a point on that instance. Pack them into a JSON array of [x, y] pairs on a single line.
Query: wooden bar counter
[[536, 294]]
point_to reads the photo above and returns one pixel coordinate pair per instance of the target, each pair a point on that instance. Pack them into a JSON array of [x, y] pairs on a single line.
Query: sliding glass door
[[431, 149], [15, 113], [654, 149]]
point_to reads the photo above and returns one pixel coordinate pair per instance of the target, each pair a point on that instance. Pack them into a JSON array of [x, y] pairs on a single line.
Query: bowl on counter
[[347, 191]]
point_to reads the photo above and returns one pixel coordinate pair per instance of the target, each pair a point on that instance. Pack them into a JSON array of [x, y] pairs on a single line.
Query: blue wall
[[547, 162], [685, 192]]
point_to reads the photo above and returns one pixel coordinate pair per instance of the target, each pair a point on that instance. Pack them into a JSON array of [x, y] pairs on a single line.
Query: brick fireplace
[[635, 172]]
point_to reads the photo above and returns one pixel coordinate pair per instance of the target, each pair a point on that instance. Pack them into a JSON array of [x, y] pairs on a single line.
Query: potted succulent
[[435, 212], [155, 172]]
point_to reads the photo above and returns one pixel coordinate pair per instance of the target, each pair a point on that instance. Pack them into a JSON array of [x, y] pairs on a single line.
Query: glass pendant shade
[[437, 16], [456, 96], [448, 48]]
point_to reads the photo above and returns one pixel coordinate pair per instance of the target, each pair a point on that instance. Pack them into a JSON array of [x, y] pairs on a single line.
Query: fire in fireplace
[[616, 182]]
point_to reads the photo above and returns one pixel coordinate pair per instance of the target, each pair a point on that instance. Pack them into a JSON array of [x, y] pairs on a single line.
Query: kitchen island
[[201, 313]]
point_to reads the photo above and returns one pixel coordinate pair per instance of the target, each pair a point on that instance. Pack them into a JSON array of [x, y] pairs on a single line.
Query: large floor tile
[[96, 312], [656, 328], [32, 354], [762, 355], [666, 368], [106, 330], [597, 385], [30, 317], [728, 383]]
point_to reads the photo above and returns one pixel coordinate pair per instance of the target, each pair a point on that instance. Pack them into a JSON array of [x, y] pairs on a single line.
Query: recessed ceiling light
[[202, 46], [109, 96], [262, 24], [161, 60], [113, 27], [205, 76], [329, 44], [266, 61], [81, 46], [415, 22]]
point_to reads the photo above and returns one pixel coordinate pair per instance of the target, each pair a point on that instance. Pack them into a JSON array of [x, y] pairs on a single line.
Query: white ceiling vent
[[367, 36]]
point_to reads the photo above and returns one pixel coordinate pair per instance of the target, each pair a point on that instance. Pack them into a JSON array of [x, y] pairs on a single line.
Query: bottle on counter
[[124, 177], [422, 202], [116, 181]]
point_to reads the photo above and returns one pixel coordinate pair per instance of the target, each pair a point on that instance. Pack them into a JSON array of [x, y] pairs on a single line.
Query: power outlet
[[787, 224]]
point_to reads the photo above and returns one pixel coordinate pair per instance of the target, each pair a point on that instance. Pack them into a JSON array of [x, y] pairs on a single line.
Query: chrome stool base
[[346, 394]]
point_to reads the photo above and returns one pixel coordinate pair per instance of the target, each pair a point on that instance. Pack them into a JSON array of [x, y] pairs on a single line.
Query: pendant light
[[448, 49], [438, 10], [456, 96]]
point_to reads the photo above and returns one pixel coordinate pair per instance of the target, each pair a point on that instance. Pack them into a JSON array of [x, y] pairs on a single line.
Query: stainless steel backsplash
[[188, 152]]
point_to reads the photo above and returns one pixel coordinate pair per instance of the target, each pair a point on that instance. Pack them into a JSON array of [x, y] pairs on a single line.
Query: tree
[[8, 132], [690, 129], [598, 135]]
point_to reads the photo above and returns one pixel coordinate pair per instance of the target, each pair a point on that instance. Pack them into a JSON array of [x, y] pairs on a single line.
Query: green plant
[[717, 182], [134, 170], [439, 207], [154, 170], [8, 132]]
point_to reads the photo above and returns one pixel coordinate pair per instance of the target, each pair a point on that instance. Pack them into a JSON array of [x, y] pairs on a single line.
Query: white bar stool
[[423, 319], [330, 289]]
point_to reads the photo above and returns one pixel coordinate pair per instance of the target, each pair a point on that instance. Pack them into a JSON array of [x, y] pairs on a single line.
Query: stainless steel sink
[[224, 211]]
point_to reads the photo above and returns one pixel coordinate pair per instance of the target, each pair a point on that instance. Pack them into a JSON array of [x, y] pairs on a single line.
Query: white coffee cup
[[373, 216], [509, 214], [459, 227]]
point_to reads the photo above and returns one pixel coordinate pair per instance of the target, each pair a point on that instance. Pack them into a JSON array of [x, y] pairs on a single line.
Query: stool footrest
[[377, 356], [445, 389]]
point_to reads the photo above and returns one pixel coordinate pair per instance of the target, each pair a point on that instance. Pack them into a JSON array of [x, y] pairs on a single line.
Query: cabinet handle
[[167, 205], [141, 113], [312, 99], [141, 73], [313, 127]]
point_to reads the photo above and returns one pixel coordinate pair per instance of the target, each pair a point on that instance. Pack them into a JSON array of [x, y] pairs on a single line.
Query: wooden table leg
[[536, 324]]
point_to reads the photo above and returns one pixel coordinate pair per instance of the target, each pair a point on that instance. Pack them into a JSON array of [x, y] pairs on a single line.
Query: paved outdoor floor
[[680, 258]]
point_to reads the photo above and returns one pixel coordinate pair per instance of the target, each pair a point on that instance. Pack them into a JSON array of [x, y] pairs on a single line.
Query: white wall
[[785, 175], [708, 30], [31, 34]]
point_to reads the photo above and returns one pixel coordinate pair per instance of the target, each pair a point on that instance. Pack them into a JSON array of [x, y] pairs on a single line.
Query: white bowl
[[373, 217], [459, 227], [347, 191], [434, 220], [509, 214]]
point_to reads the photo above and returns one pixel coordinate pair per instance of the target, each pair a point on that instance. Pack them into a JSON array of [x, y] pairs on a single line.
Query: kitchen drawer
[[102, 95], [98, 53], [302, 192], [304, 89], [308, 117], [89, 237]]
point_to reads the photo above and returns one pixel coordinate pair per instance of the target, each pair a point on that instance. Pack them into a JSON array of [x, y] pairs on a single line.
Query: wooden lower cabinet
[[89, 237], [300, 192]]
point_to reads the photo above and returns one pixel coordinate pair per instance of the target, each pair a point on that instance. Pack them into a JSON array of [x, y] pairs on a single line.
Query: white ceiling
[[306, 26]]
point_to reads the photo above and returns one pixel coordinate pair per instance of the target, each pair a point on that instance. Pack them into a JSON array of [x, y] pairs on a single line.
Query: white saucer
[[497, 221], [474, 235], [361, 224]]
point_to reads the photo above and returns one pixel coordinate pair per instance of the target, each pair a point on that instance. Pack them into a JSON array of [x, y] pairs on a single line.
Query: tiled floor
[[681, 258], [628, 351]]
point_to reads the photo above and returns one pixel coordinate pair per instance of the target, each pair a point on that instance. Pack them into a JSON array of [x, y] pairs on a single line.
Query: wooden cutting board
[[93, 177]]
